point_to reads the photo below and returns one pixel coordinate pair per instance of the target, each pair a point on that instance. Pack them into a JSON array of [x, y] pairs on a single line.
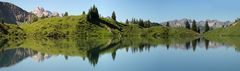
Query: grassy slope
[[229, 35], [10, 30], [168, 31], [66, 26], [75, 26], [229, 31]]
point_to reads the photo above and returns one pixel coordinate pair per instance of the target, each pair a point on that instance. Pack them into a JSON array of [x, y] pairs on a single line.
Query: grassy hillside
[[160, 31], [232, 30], [65, 26], [10, 31], [79, 26], [228, 36]]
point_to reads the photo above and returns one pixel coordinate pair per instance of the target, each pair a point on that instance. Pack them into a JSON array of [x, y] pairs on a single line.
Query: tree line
[[194, 26], [142, 23]]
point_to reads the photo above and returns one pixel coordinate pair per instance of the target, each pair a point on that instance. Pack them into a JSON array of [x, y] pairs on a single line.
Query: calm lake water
[[125, 54]]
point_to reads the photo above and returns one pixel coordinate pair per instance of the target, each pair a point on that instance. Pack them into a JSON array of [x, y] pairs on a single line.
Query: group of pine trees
[[196, 28], [93, 15], [142, 23], [237, 20]]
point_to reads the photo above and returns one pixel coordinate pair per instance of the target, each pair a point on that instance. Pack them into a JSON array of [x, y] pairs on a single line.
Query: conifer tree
[[187, 25], [194, 26], [93, 14], [114, 16], [206, 27], [65, 14], [127, 22], [168, 25], [83, 13]]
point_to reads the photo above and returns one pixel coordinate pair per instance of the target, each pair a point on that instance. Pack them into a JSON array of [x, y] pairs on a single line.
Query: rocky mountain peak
[[13, 14], [40, 12], [212, 23]]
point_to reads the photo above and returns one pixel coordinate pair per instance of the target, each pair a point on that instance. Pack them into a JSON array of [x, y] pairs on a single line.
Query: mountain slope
[[232, 30], [68, 26], [13, 14]]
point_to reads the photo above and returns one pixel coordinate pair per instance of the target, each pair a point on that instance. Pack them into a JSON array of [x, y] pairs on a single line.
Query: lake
[[120, 54]]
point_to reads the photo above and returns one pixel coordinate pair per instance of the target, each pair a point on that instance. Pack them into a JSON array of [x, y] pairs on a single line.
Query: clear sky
[[155, 10]]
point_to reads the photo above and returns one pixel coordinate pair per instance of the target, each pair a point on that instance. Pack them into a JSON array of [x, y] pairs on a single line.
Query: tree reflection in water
[[14, 51]]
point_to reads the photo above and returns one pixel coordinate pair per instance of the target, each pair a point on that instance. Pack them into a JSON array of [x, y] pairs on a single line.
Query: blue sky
[[155, 10]]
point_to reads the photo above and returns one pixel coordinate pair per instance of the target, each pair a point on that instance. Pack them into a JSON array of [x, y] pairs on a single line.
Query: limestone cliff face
[[13, 14]]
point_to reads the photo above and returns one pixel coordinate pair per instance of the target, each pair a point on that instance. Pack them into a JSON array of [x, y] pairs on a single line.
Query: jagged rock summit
[[41, 12]]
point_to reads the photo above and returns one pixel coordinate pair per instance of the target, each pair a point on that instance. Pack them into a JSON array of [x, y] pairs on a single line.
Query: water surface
[[115, 54]]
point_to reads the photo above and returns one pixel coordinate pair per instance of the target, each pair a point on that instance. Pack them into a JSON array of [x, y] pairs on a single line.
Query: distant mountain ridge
[[41, 12], [212, 23], [13, 14]]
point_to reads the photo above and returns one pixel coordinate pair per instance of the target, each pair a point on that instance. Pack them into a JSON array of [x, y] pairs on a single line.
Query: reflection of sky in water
[[160, 58]]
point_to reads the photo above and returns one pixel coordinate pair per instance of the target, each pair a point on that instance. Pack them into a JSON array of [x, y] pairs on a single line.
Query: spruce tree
[[206, 27], [114, 16], [194, 26], [168, 25], [198, 30], [65, 14], [187, 25], [127, 22], [93, 15]]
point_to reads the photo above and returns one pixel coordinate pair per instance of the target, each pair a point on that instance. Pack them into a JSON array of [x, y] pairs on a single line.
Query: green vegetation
[[227, 35], [11, 31], [65, 14], [206, 27], [169, 32], [83, 13], [187, 25], [127, 22], [114, 16], [194, 26], [64, 27], [232, 30], [168, 25], [93, 15], [92, 25]]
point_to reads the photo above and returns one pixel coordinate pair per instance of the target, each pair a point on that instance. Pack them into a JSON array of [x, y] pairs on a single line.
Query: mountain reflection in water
[[15, 51]]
